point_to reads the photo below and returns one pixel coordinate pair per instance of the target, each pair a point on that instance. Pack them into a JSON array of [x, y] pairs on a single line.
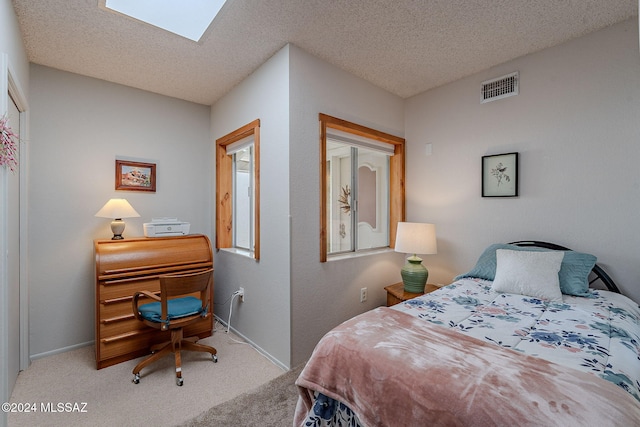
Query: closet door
[[13, 257]]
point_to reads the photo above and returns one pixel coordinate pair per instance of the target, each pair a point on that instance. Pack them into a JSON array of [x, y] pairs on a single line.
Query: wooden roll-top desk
[[124, 267]]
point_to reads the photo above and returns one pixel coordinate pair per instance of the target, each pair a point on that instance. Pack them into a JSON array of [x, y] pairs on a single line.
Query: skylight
[[187, 18]]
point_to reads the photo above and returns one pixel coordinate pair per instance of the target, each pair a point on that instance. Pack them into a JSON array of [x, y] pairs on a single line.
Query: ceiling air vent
[[501, 87]]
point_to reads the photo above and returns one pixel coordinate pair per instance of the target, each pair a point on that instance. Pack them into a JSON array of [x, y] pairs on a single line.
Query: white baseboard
[[60, 350], [88, 343], [257, 347]]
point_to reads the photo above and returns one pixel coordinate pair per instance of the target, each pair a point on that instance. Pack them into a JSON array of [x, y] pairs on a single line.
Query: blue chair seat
[[176, 308]]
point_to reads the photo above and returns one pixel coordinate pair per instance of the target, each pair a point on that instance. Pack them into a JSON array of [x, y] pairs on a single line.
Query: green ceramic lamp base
[[414, 275]]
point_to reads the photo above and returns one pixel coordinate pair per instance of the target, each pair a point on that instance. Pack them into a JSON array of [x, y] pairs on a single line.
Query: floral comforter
[[599, 334]]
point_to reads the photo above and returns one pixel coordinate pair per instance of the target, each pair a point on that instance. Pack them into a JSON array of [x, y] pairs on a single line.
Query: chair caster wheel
[[179, 382], [136, 379], [215, 358]]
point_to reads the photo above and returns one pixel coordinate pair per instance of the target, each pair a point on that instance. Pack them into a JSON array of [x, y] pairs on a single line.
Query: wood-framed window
[[238, 190], [361, 187]]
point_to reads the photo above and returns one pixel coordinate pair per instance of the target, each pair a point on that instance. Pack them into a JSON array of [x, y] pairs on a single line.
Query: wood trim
[[239, 133], [396, 175], [345, 126], [117, 319], [160, 269], [127, 298], [224, 198], [396, 192], [256, 201], [224, 186], [125, 335], [323, 189]]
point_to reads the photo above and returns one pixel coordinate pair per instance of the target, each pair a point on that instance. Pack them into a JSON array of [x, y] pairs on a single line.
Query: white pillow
[[529, 273]]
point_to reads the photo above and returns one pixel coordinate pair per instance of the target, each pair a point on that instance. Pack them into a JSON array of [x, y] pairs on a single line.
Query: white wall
[[325, 294], [11, 44], [264, 317], [576, 125], [78, 127], [291, 298]]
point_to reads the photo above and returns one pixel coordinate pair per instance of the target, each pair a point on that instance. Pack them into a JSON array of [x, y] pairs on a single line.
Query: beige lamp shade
[[117, 209], [415, 238]]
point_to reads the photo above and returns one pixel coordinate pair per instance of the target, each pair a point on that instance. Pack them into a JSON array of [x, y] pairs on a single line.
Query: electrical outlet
[[363, 294], [241, 293]]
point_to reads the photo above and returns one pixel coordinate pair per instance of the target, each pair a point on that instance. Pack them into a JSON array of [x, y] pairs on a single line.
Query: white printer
[[162, 227]]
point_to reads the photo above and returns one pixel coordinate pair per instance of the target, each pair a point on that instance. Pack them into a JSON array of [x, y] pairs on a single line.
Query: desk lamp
[[117, 209], [415, 238]]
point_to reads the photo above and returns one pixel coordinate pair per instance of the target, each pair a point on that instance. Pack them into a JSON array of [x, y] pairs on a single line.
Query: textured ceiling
[[403, 46]]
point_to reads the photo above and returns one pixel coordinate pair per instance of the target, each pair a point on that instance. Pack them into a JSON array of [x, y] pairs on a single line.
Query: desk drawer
[[139, 341], [118, 289]]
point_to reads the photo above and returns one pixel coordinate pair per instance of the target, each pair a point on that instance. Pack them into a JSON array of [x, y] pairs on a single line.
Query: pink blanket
[[392, 369]]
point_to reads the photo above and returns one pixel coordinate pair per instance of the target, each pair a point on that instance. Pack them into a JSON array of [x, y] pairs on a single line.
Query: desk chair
[[172, 311]]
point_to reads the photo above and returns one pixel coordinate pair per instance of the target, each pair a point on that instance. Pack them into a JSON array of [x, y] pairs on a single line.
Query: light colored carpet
[[113, 400]]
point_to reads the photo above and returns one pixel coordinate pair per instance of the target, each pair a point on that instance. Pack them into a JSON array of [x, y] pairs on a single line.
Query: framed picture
[[500, 175], [135, 176]]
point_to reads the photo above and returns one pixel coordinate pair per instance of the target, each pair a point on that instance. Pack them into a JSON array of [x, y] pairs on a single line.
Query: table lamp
[[415, 238], [117, 209]]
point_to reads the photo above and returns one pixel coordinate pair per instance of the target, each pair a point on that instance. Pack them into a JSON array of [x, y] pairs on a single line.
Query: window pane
[[243, 199], [339, 197], [373, 199], [376, 175]]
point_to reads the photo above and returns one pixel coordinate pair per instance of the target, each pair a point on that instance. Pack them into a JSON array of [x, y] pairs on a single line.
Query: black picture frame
[[500, 175]]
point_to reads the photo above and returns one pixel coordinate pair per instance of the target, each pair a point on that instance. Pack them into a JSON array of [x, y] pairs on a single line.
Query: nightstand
[[396, 293]]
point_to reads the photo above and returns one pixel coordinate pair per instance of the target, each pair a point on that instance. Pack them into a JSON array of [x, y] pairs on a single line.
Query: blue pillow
[[176, 308], [573, 275]]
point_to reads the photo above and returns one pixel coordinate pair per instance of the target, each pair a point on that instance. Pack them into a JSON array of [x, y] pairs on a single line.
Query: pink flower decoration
[[8, 145]]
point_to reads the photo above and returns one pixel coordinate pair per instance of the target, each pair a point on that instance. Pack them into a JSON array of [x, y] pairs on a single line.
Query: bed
[[524, 338]]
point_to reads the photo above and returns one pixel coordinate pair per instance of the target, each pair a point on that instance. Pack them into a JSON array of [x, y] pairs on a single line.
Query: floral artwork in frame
[[135, 176], [500, 175]]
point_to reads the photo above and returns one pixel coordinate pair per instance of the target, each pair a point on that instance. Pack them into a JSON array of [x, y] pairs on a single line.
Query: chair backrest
[[173, 286]]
